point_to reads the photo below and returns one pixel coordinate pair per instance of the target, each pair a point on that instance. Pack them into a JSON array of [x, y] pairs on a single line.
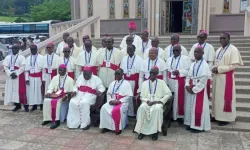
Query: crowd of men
[[136, 79]]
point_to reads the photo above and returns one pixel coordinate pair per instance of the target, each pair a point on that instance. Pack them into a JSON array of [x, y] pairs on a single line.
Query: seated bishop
[[87, 88], [59, 92], [113, 115], [154, 94]]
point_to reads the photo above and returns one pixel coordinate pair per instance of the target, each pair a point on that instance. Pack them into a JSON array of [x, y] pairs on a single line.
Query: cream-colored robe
[[82, 48], [169, 52], [74, 52], [137, 42], [229, 62], [150, 118], [144, 47], [71, 66], [61, 45], [53, 88], [160, 53]]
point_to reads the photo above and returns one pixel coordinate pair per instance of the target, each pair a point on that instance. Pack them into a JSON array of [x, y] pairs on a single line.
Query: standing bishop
[[155, 43], [69, 62], [146, 44]]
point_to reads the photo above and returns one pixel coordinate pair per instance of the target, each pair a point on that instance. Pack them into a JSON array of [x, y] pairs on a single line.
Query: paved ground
[[23, 131]]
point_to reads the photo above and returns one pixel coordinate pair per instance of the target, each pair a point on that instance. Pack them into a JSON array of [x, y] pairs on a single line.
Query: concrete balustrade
[[247, 22]]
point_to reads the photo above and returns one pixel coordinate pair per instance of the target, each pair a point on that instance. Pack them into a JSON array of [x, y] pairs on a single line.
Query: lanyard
[[149, 63], [115, 90], [177, 62], [61, 87], [149, 86], [143, 47], [197, 68], [87, 62], [109, 54], [72, 50], [66, 62], [14, 61], [171, 51], [130, 67], [204, 45], [218, 56], [50, 65], [34, 61]]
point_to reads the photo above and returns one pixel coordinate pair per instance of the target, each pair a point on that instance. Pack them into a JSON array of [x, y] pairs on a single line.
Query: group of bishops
[[136, 79]]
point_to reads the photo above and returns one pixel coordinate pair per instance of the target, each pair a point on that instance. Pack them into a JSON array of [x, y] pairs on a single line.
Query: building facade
[[162, 17]]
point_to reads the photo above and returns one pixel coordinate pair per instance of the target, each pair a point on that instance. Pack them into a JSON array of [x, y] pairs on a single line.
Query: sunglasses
[[48, 47], [222, 38], [66, 51]]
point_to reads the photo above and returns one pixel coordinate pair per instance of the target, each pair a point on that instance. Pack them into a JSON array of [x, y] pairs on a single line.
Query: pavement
[[23, 131]]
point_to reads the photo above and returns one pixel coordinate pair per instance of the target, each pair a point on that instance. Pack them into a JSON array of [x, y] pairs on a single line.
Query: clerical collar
[[152, 81], [198, 60], [110, 49], [131, 56], [177, 57], [120, 80], [50, 54]]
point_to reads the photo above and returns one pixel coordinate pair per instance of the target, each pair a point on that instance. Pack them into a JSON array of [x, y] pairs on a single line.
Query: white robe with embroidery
[[53, 88], [82, 48], [137, 42], [106, 120], [183, 68], [79, 106], [150, 118], [135, 69], [190, 102], [11, 94], [34, 93], [71, 65], [59, 50], [144, 47], [160, 53], [169, 52], [48, 62]]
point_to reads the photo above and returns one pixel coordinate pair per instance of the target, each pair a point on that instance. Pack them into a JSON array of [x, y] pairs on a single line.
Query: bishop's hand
[[73, 94], [215, 70], [47, 95], [27, 82]]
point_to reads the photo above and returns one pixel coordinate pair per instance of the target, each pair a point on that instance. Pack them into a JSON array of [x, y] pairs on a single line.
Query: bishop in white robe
[[137, 39], [103, 44], [88, 57], [197, 113], [109, 60], [61, 45], [33, 78], [131, 66], [227, 59], [113, 115], [178, 66], [86, 90], [146, 44], [83, 48], [129, 42], [154, 94], [59, 91], [169, 49], [15, 89], [155, 43]]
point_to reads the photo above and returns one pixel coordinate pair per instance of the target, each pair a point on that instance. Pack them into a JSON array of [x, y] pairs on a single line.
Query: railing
[[247, 22], [77, 31]]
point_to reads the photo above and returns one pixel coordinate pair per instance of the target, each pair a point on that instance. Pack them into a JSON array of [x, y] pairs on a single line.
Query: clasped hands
[[215, 70], [151, 103], [13, 75], [114, 102], [189, 89]]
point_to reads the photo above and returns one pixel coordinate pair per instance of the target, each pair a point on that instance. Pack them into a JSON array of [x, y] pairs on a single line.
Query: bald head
[[175, 38], [88, 45], [84, 38], [65, 36], [104, 42], [109, 43], [198, 52], [153, 53], [129, 40], [70, 42], [154, 71], [155, 42], [15, 48], [177, 50]]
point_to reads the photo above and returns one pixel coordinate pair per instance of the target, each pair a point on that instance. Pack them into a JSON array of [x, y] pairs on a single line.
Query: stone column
[[118, 9], [247, 22], [83, 9], [101, 8], [203, 16]]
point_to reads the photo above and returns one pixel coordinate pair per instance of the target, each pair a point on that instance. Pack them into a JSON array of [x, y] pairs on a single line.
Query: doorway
[[175, 16]]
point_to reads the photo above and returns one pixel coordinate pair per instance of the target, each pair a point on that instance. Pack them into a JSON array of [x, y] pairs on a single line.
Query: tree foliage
[[51, 10]]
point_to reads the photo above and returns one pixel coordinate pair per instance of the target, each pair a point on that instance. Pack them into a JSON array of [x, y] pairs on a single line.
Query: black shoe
[[118, 133], [188, 128], [155, 137], [34, 107], [104, 130], [222, 123], [55, 125], [180, 121], [41, 107], [16, 108], [45, 123], [195, 131], [212, 119], [140, 136], [26, 108], [86, 128]]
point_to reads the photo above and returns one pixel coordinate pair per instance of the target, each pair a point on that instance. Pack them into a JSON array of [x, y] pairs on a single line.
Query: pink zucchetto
[[132, 25], [63, 66]]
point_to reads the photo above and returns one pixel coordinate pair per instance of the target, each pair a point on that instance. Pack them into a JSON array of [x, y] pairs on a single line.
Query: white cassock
[[144, 47], [177, 83], [131, 69], [160, 53], [79, 106], [169, 52], [34, 73], [150, 118], [61, 45], [115, 117], [82, 48], [209, 53], [87, 59], [100, 49], [71, 65], [15, 89], [51, 64], [74, 52], [137, 42], [197, 113], [52, 106], [146, 67], [224, 93], [109, 62]]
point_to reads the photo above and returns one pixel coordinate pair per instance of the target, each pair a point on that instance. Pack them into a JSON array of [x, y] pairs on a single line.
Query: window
[[139, 8], [226, 5], [4, 29], [90, 8], [125, 9], [16, 29], [42, 28], [243, 5], [112, 9]]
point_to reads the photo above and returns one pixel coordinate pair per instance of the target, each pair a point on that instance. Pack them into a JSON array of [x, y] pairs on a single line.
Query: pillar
[[101, 8], [153, 17], [203, 15], [83, 9], [132, 8], [118, 9]]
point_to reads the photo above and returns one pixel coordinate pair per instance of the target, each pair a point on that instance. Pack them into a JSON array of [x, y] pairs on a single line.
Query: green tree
[[51, 10]]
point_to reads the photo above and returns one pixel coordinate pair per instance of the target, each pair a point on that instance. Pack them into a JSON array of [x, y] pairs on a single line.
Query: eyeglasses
[[66, 51], [48, 47], [222, 38]]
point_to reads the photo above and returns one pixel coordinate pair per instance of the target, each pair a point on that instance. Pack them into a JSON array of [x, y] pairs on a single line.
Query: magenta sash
[[114, 67], [21, 88], [116, 113], [133, 77], [181, 93], [87, 89], [93, 69], [52, 74], [54, 105], [72, 75], [228, 94], [158, 77]]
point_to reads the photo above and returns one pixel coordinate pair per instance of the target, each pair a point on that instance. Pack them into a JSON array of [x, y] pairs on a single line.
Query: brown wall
[[233, 23]]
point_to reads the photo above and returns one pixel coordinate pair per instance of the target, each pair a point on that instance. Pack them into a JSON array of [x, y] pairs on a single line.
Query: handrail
[[67, 22], [58, 37]]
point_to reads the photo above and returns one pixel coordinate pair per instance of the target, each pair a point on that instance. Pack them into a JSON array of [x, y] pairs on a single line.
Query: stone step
[[242, 75], [244, 58], [243, 69], [246, 62], [242, 81]]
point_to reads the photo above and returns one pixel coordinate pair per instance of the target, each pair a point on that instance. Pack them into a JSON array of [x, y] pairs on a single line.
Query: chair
[[95, 110]]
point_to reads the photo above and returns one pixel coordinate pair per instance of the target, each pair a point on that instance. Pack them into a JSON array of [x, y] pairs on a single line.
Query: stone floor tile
[[126, 140], [115, 146], [186, 147], [53, 133], [13, 145], [42, 139], [96, 145], [69, 134], [78, 143], [26, 137], [38, 131], [53, 147], [245, 136], [60, 141], [33, 146], [246, 144], [168, 145]]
